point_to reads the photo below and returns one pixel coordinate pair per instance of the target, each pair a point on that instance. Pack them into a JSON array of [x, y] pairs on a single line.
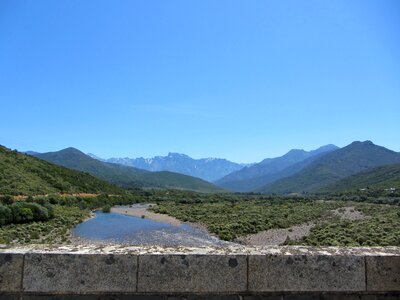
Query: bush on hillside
[[5, 215]]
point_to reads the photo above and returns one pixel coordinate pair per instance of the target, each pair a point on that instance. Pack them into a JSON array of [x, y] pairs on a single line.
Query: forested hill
[[125, 176], [354, 158], [270, 170], [380, 178], [27, 175]]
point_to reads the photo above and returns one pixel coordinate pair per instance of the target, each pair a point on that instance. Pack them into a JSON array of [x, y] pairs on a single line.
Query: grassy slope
[[377, 179], [23, 174], [354, 158], [125, 176]]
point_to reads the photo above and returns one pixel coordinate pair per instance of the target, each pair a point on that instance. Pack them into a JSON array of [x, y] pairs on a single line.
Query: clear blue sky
[[243, 80]]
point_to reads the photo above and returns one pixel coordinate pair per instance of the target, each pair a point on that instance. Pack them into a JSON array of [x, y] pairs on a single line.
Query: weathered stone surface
[[92, 297], [263, 297], [383, 273], [192, 273], [303, 273], [9, 297], [387, 297], [205, 297], [10, 272], [79, 273], [303, 297], [345, 297]]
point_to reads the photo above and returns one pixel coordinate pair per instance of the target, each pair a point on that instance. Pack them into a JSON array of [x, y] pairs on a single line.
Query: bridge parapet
[[79, 272]]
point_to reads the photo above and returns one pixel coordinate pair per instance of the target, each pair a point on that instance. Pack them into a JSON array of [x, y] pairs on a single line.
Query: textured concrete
[[79, 273], [298, 273], [204, 297], [10, 272], [383, 273], [192, 273], [286, 273]]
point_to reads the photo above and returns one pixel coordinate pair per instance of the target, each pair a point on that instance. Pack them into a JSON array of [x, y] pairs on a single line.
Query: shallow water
[[123, 229]]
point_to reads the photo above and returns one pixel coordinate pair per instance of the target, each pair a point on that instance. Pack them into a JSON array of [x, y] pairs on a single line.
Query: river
[[123, 229]]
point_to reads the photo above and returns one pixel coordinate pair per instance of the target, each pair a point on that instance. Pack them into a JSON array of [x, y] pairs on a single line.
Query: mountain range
[[332, 167], [328, 169], [209, 169], [271, 169], [124, 176]]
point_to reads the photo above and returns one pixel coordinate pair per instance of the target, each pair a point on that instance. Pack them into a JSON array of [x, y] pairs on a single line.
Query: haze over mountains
[[124, 176], [324, 170], [209, 169], [354, 158], [271, 169]]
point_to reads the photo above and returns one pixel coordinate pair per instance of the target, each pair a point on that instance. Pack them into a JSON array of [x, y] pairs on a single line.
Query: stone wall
[[268, 273]]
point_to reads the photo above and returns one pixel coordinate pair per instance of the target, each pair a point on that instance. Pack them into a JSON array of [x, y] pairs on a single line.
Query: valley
[[45, 197]]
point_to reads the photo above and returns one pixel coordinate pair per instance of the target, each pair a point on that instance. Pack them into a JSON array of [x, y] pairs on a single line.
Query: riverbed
[[121, 228]]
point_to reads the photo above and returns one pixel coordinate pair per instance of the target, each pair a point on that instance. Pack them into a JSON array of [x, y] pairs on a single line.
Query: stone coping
[[62, 270], [235, 249]]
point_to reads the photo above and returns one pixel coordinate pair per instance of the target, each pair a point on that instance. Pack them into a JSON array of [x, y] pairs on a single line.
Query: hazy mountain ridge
[[125, 176], [271, 169], [209, 169], [354, 158], [24, 174]]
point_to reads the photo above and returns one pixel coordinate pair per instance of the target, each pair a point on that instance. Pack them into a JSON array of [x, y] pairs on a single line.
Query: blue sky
[[243, 80]]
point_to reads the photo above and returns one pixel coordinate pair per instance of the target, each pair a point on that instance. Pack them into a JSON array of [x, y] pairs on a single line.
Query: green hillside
[[379, 178], [27, 175], [344, 162], [124, 176]]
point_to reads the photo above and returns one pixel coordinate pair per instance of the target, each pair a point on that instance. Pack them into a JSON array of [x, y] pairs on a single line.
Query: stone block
[[104, 296], [11, 272], [263, 297], [205, 297], [383, 273], [192, 273], [306, 273], [80, 273], [10, 297]]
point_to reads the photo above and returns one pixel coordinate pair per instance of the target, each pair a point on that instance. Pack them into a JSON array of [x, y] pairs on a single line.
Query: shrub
[[106, 208], [23, 212], [5, 215], [6, 199]]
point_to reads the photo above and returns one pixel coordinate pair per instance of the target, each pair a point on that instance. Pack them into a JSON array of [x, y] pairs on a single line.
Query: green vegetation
[[68, 196], [231, 219], [56, 230], [270, 170], [22, 174], [381, 227], [380, 178], [233, 215], [124, 176], [106, 208], [48, 219], [339, 164], [24, 212]]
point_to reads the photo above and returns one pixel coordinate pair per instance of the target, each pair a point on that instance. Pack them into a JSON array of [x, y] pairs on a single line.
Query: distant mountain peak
[[295, 151], [124, 175], [367, 142], [175, 154], [270, 169], [72, 150], [328, 147], [336, 165], [209, 169]]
